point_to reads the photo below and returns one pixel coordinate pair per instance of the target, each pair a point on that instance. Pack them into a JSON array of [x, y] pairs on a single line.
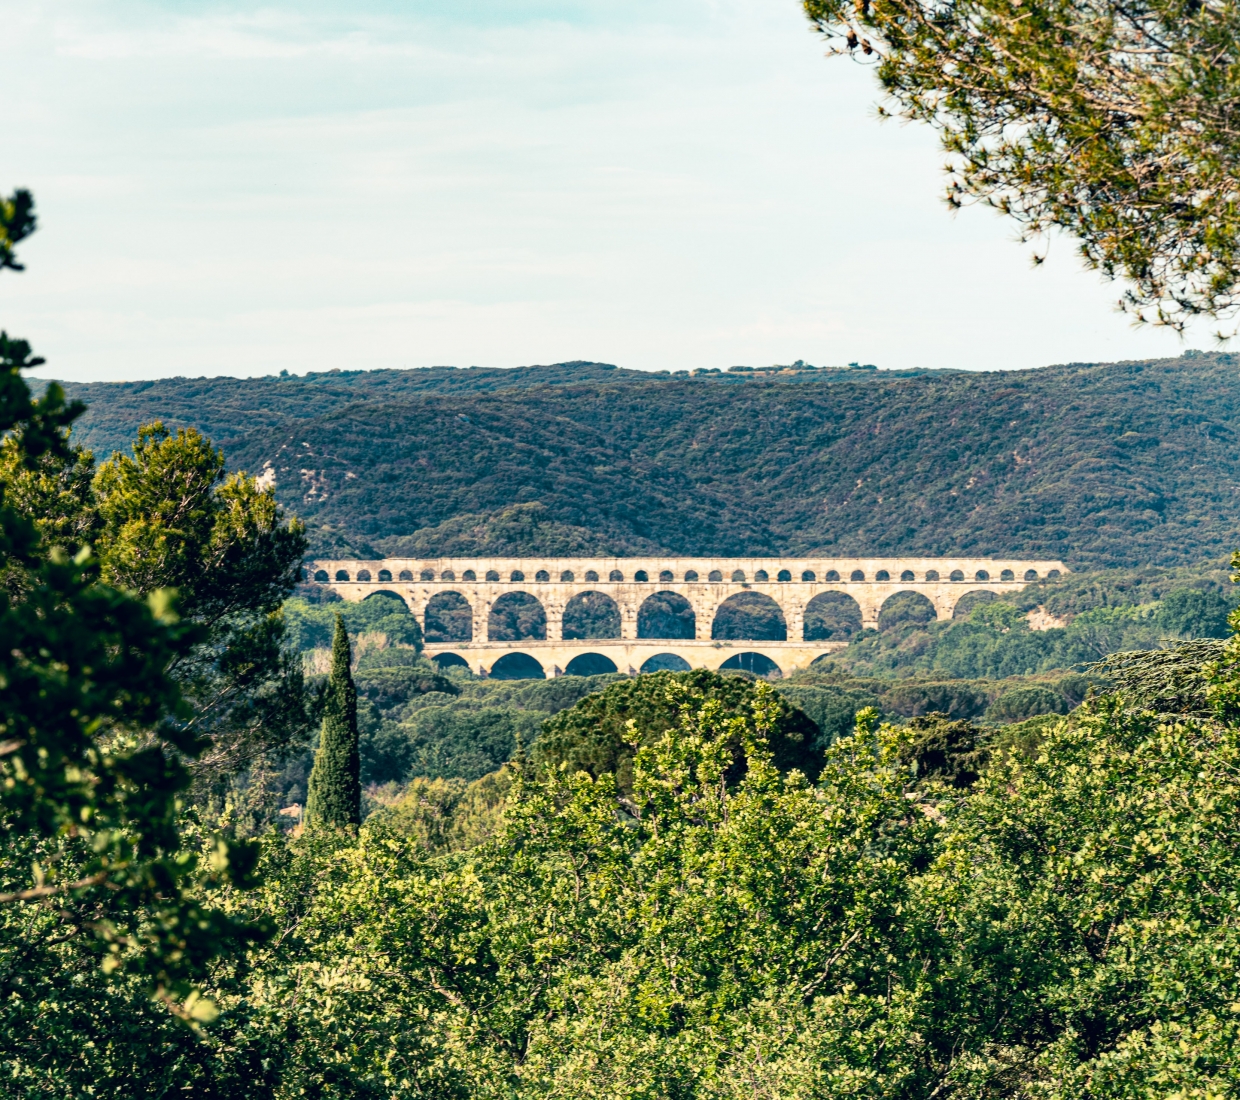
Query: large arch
[[666, 615], [590, 664], [970, 601], [902, 608], [749, 616], [449, 660], [665, 662], [516, 617], [517, 666], [449, 618], [832, 617], [757, 663], [590, 615], [389, 594]]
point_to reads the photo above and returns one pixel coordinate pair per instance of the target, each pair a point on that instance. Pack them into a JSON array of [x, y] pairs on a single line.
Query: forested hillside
[[1110, 464]]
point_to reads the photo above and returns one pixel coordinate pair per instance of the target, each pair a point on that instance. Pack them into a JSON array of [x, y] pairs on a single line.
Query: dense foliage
[[1102, 465], [334, 791]]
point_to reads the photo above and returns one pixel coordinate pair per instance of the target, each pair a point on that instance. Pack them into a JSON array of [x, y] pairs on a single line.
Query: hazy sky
[[241, 189]]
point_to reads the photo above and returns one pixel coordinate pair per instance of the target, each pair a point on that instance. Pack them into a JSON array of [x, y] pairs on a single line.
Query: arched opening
[[832, 617], [449, 660], [469, 575], [567, 577], [516, 616], [427, 574], [406, 575], [1031, 574], [385, 576], [387, 594], [857, 575], [761, 575], [691, 575], [957, 575], [738, 576], [981, 575], [665, 662], [590, 664], [1007, 575], [967, 603], [364, 575], [640, 577], [447, 575], [783, 575], [321, 576], [591, 615], [832, 576], [665, 576], [449, 618], [905, 607], [882, 575], [591, 576], [615, 576], [1051, 574], [517, 666], [907, 576], [932, 574], [715, 575], [749, 616], [515, 575], [666, 615], [542, 576], [342, 574], [808, 575], [757, 663]]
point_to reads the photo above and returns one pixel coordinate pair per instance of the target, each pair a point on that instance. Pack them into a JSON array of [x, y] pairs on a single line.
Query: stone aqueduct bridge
[[706, 583]]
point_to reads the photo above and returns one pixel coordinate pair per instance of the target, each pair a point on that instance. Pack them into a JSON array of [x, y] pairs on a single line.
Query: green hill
[[1100, 464]]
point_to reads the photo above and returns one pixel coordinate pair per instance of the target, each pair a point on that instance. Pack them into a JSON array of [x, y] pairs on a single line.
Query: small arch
[[808, 575], [640, 577], [447, 575], [469, 575], [321, 576], [590, 664], [857, 575], [591, 576], [492, 575], [761, 575], [981, 575], [1007, 575], [691, 576], [956, 575], [517, 666], [516, 575], [665, 576], [567, 577], [385, 576], [363, 575], [832, 575], [749, 616], [1051, 574], [715, 575], [907, 576], [427, 575], [665, 662], [1031, 574], [515, 617], [666, 615], [905, 607], [832, 617], [970, 601], [757, 663], [542, 577], [932, 574], [449, 660], [738, 575], [882, 575], [406, 575], [783, 575], [590, 615], [615, 575], [448, 618], [342, 575]]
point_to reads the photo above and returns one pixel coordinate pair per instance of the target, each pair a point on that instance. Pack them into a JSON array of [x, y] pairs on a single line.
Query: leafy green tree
[[1107, 120], [335, 792]]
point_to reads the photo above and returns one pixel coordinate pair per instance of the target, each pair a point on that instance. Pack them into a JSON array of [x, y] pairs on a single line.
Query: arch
[[427, 575], [1031, 574], [757, 663], [715, 575], [363, 575], [666, 615], [1007, 575], [981, 575], [691, 576], [665, 662], [449, 660], [469, 575], [808, 575], [517, 666], [406, 575], [832, 575], [882, 575], [492, 575], [907, 576], [749, 616], [665, 576], [385, 576], [321, 576], [516, 617], [932, 574], [449, 618], [857, 575], [832, 617], [615, 575], [389, 594], [905, 607], [967, 603], [567, 577], [542, 576], [590, 615], [956, 575], [738, 576], [590, 664], [591, 576], [761, 575], [342, 574], [516, 575], [448, 575], [783, 575], [1051, 574], [640, 577]]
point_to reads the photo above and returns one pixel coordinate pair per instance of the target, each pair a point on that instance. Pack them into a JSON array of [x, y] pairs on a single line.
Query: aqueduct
[[549, 616]]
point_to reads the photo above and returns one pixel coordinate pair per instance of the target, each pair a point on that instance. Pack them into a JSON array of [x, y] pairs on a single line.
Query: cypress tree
[[335, 790]]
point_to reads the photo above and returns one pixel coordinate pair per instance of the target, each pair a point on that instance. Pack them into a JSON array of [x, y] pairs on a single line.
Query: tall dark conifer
[[335, 790]]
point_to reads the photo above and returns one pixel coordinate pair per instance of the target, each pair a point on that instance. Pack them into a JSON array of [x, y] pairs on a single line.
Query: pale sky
[[239, 189]]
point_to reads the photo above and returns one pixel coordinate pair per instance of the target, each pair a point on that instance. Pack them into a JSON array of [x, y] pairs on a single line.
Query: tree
[[334, 796], [1110, 120]]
